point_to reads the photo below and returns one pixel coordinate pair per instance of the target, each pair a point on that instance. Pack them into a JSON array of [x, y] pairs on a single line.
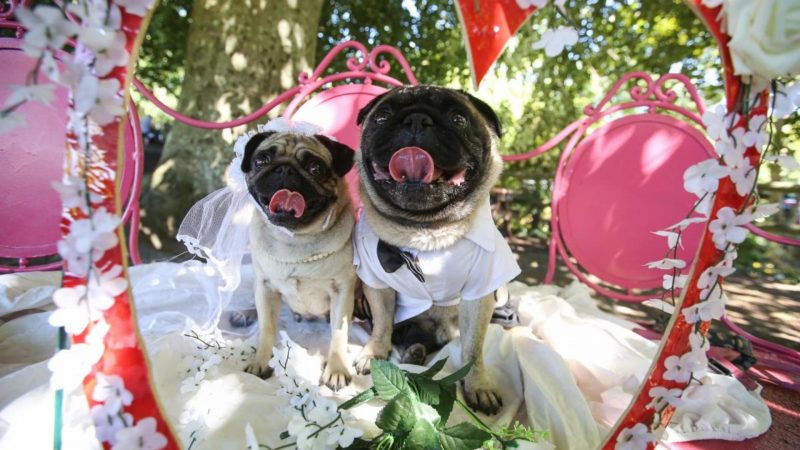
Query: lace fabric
[[216, 228]]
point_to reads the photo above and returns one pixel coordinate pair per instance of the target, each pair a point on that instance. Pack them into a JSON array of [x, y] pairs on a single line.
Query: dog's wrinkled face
[[294, 178], [425, 148]]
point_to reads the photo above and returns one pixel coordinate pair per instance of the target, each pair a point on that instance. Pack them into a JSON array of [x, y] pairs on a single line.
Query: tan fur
[[311, 270]]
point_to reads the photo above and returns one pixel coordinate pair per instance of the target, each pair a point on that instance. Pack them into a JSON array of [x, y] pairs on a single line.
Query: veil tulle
[[216, 228]]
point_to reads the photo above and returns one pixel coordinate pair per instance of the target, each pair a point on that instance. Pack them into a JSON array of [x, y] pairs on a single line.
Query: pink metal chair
[[619, 179], [31, 158], [319, 100]]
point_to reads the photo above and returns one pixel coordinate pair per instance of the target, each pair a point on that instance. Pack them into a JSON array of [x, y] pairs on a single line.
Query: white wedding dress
[[568, 369]]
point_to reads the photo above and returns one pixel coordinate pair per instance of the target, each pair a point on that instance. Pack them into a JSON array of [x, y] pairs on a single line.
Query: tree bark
[[240, 54]]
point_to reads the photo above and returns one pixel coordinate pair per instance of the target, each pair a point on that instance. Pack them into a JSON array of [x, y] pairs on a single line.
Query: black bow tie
[[391, 258]]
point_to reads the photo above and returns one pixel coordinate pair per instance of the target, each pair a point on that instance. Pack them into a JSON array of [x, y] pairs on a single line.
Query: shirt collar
[[483, 229]]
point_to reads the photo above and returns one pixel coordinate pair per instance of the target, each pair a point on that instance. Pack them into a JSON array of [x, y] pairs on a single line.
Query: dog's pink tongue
[[412, 164], [287, 201]]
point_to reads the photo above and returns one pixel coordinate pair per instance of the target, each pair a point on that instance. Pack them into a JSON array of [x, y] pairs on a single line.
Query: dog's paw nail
[[260, 371]]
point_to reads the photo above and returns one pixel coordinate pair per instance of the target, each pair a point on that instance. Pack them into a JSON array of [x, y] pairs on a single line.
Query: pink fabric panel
[[336, 110], [31, 157], [622, 183]]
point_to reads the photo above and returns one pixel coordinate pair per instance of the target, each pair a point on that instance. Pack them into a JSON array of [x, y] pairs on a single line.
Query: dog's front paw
[[335, 375], [260, 369], [373, 350], [480, 395]]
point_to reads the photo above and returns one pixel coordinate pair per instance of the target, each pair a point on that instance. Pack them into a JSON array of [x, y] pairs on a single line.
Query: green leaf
[[424, 436], [427, 389], [462, 436], [399, 415], [458, 374], [447, 397], [365, 396], [387, 379], [435, 368]]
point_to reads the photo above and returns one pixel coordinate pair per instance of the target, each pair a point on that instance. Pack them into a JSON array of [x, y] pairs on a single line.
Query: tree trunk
[[240, 54]]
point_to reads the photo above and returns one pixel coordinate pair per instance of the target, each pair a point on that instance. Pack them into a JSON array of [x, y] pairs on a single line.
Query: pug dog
[[427, 250], [301, 240]]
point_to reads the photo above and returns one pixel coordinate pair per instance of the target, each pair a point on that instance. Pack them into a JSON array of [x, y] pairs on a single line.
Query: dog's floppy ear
[[369, 106], [487, 112], [341, 154], [251, 147]]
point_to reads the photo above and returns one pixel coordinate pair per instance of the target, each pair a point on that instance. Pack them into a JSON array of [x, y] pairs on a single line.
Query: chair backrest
[[620, 179], [335, 111], [32, 158]]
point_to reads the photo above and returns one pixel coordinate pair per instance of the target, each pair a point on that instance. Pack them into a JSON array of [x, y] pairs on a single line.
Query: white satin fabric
[[568, 369]]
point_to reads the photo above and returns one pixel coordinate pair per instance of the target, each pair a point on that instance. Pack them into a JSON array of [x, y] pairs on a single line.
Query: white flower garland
[[100, 48]]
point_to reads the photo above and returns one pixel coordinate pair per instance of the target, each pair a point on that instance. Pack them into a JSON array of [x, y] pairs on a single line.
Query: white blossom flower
[[710, 276], [108, 422], [96, 14], [72, 311], [763, 210], [698, 342], [105, 287], [49, 67], [667, 264], [787, 162], [683, 224], [742, 173], [70, 366], [678, 282], [72, 191], [95, 235], [192, 383], [554, 41], [680, 368], [136, 7], [42, 93], [673, 238], [729, 227], [635, 438], [703, 177], [704, 311], [99, 99], [660, 305], [108, 47], [756, 134], [525, 4], [46, 28], [662, 396], [787, 100], [143, 436], [110, 389], [11, 120], [715, 121], [343, 436]]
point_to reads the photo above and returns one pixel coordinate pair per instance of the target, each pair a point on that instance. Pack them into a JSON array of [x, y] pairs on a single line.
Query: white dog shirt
[[473, 267]]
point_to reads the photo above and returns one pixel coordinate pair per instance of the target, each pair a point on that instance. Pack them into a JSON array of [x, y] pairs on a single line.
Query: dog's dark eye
[[382, 116], [459, 120], [262, 159], [315, 169]]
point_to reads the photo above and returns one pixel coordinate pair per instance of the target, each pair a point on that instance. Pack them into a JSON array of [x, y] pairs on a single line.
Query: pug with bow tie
[[427, 250]]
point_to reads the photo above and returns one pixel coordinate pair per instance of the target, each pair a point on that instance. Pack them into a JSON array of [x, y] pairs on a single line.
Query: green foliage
[[163, 53], [417, 409]]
